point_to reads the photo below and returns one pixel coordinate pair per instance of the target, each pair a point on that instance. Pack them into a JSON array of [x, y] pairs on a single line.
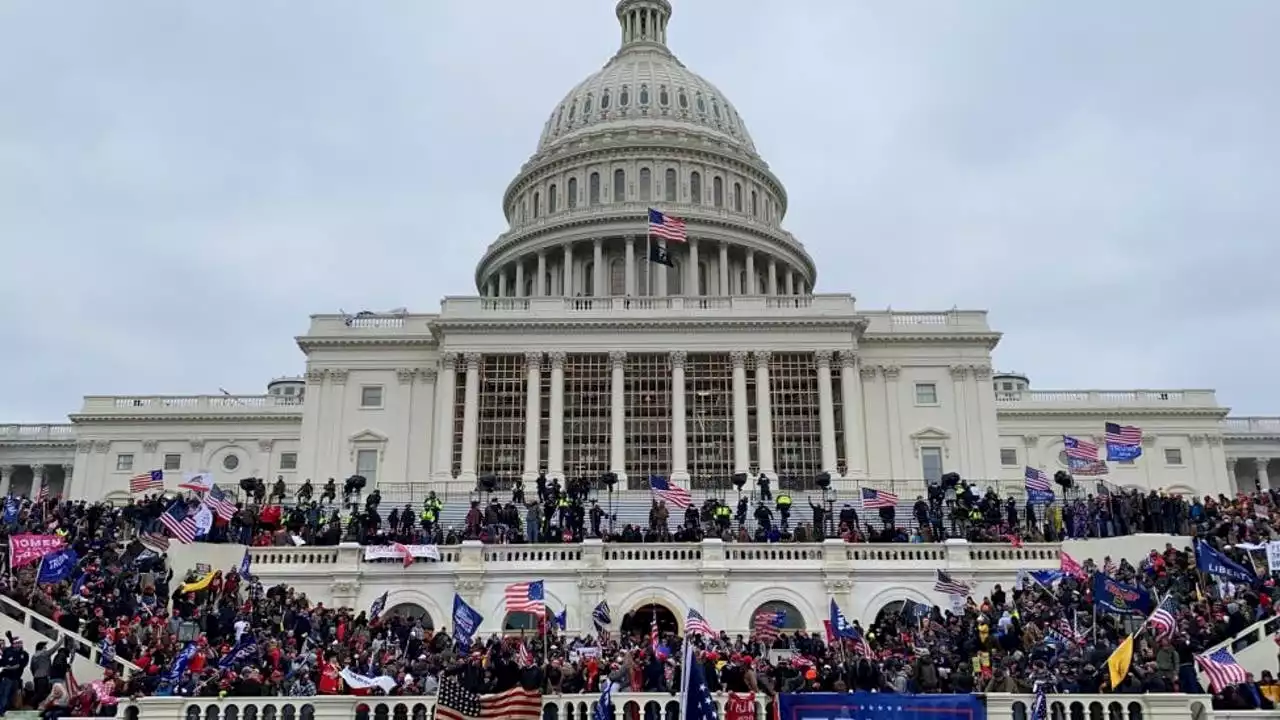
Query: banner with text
[[880, 706], [28, 548], [392, 552]]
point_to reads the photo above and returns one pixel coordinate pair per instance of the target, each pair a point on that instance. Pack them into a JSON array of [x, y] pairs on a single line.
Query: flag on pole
[[1079, 449], [696, 624], [666, 227], [1221, 668], [873, 499], [1164, 619], [180, 524], [527, 597], [146, 482], [668, 491], [1124, 442], [947, 585]]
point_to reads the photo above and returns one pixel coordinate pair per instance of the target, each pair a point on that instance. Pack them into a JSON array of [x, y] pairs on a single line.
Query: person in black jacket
[[13, 662]]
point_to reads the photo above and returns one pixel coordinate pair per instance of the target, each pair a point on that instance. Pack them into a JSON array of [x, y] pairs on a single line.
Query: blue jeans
[[7, 687]]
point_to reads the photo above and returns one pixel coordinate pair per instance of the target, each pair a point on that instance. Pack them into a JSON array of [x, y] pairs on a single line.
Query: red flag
[[405, 555]]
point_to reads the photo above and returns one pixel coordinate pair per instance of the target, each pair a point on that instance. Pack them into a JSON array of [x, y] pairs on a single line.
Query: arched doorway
[[640, 621], [413, 612], [522, 622], [906, 614], [781, 614]]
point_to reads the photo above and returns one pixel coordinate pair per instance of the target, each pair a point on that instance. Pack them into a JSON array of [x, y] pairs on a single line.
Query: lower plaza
[[495, 463]]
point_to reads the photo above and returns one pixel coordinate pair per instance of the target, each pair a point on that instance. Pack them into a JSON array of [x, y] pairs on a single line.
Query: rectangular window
[[926, 394], [371, 396], [931, 463], [1009, 457], [1172, 456], [172, 461], [288, 461], [367, 465], [124, 461]]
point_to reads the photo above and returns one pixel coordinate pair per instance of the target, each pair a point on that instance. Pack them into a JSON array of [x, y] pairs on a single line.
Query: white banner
[[1273, 556], [360, 682], [385, 552]]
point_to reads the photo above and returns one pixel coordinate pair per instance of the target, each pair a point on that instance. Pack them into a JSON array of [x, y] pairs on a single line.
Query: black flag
[[659, 254]]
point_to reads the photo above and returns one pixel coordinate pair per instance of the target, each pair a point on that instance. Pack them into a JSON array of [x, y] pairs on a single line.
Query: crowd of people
[[222, 633]]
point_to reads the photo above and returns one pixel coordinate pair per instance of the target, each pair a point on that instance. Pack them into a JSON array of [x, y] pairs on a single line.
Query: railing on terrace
[[475, 308], [181, 404], [1141, 398], [651, 706], [33, 433], [1252, 425], [50, 629]]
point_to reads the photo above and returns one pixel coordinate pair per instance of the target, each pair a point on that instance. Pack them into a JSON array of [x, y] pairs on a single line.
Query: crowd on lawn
[[222, 633]]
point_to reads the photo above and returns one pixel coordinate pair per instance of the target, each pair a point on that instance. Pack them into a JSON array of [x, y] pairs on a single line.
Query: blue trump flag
[[56, 567], [465, 622], [1215, 563], [880, 706], [1120, 598], [696, 702], [244, 651]]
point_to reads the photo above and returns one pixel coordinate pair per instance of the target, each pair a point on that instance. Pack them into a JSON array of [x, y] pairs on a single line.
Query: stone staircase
[[35, 628]]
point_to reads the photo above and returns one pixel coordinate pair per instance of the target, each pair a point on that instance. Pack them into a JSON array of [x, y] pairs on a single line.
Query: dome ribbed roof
[[645, 85]]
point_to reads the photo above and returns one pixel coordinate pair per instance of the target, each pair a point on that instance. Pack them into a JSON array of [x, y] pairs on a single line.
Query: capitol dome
[[644, 132]]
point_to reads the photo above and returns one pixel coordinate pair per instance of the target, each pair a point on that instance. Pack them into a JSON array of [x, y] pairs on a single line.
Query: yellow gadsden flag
[[203, 583], [1119, 661]]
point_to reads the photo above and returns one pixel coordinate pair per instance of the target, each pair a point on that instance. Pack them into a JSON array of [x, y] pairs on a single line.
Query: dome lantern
[[644, 22]]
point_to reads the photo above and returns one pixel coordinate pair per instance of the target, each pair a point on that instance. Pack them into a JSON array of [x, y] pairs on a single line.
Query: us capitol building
[[577, 359]]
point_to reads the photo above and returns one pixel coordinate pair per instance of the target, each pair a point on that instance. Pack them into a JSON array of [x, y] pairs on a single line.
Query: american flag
[[696, 624], [220, 503], [875, 499], [1091, 468], [1221, 668], [1069, 631], [653, 633], [146, 481], [1069, 566], [43, 493], [666, 227], [156, 541], [458, 703], [669, 492], [767, 623], [527, 597], [1079, 449], [1037, 481], [1123, 434], [523, 656], [1164, 619], [947, 585], [860, 644], [180, 524]]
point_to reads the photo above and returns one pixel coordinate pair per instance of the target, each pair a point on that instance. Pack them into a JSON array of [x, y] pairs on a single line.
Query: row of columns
[[776, 281], [850, 385], [1260, 471], [38, 478]]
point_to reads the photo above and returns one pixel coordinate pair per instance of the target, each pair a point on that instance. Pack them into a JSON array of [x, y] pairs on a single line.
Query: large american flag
[[696, 624], [457, 703], [1037, 480], [527, 597], [666, 227], [1164, 619], [158, 542], [947, 585], [668, 491], [180, 524], [767, 624], [873, 499], [1123, 434], [1079, 449], [146, 481], [220, 503], [1221, 668]]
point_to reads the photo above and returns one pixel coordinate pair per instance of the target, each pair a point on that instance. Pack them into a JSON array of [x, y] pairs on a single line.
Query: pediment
[[368, 436], [930, 433]]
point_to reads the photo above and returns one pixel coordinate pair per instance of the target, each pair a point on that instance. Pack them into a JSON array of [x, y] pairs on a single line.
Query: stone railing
[[1251, 425], [1133, 398], [832, 555], [38, 433], [48, 628], [728, 307], [372, 324], [648, 705], [187, 404]]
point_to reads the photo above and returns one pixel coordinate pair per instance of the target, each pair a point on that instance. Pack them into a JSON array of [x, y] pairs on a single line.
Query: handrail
[[86, 648]]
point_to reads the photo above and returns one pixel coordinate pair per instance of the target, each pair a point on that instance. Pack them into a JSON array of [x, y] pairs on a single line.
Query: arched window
[[715, 108], [702, 278], [684, 100], [624, 97], [619, 185], [524, 209], [675, 278], [571, 193], [604, 99], [593, 189], [644, 94], [586, 106], [695, 188], [646, 184], [537, 200], [573, 108], [702, 104], [669, 185], [588, 278], [737, 197], [664, 99], [617, 277], [717, 192], [551, 199], [755, 209]]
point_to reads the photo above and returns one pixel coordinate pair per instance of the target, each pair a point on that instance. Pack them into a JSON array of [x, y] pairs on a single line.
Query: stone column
[[855, 454], [618, 417], [568, 271], [764, 414], [6, 475], [773, 276], [442, 445], [519, 279], [539, 281], [679, 428], [629, 267], [555, 435], [68, 472], [741, 436], [1264, 481], [1234, 485], [37, 481], [751, 273], [470, 419], [826, 412], [791, 282], [533, 415], [723, 268], [597, 269], [691, 288], [502, 282]]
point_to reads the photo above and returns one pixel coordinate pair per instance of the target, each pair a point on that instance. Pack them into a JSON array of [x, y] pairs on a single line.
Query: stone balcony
[[1050, 400], [188, 405], [1242, 428], [51, 434]]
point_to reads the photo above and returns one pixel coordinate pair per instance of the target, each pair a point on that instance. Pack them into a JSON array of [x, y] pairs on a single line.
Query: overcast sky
[[183, 183]]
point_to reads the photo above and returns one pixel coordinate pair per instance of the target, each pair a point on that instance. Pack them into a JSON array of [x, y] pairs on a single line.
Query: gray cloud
[[181, 184]]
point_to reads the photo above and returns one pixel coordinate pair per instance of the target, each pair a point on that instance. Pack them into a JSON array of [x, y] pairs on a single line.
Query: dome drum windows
[[717, 192], [571, 193], [737, 197], [702, 104], [537, 200], [644, 94], [646, 184], [593, 189], [604, 99], [624, 96], [715, 108], [664, 98], [619, 185], [551, 199], [669, 185], [586, 105], [695, 188], [684, 100]]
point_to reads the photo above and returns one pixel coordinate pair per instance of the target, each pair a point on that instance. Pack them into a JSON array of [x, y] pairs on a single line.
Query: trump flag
[[879, 706]]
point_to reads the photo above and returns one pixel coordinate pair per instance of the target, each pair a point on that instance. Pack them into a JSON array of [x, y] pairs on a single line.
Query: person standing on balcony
[[13, 662]]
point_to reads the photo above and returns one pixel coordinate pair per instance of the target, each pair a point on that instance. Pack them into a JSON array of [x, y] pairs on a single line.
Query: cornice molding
[[37, 444], [189, 417], [1105, 411], [702, 325], [307, 343]]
